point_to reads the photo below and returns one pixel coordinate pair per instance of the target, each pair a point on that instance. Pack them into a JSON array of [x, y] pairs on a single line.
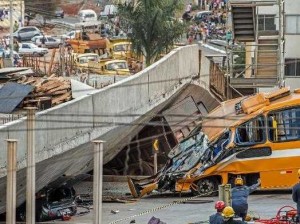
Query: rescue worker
[[228, 214], [217, 218], [296, 194], [239, 196]]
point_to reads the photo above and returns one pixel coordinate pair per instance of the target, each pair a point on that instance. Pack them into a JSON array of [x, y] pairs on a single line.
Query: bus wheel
[[205, 187]]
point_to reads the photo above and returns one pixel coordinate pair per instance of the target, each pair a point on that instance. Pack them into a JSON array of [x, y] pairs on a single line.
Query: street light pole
[[97, 181], [30, 179], [11, 187]]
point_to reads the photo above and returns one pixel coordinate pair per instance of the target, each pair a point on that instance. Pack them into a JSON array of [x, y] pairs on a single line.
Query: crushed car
[[256, 137], [55, 201]]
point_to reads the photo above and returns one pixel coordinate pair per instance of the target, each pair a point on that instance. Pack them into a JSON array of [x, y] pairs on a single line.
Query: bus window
[[251, 132], [284, 125], [256, 152]]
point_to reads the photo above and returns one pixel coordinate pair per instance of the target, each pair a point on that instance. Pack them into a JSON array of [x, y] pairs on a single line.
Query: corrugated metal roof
[[11, 95]]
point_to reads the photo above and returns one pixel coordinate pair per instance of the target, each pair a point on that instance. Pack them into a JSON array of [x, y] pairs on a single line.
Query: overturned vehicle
[[256, 136]]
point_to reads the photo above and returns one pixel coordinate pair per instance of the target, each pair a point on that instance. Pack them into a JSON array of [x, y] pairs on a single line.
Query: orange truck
[[256, 137]]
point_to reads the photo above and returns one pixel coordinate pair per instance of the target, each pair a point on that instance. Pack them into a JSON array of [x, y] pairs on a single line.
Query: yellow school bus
[[254, 136]]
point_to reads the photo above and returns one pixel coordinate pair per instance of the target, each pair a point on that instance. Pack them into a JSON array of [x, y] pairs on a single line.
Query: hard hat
[[248, 218], [220, 205], [228, 212], [299, 173], [239, 181]]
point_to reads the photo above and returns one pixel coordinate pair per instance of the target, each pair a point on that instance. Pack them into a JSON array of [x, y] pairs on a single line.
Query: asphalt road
[[264, 206], [68, 20], [261, 204]]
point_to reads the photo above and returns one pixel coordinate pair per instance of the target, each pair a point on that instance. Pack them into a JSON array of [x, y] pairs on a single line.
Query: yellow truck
[[255, 137], [81, 61], [109, 67], [120, 49]]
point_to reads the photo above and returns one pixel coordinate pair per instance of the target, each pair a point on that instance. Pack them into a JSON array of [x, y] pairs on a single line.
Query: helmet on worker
[[239, 181], [228, 212], [220, 205]]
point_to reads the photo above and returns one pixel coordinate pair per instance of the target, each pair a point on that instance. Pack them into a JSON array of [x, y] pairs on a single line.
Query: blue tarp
[[11, 95]]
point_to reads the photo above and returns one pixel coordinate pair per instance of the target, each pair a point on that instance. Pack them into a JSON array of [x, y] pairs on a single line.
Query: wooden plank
[[61, 98], [61, 87]]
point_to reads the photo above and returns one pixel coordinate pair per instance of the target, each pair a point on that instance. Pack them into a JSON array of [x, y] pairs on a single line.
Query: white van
[[87, 15], [109, 10]]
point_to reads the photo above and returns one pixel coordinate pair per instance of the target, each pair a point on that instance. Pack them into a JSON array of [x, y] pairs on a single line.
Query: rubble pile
[[49, 91]]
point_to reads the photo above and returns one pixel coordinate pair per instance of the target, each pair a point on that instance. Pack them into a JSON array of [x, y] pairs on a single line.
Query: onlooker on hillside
[[16, 26], [188, 8]]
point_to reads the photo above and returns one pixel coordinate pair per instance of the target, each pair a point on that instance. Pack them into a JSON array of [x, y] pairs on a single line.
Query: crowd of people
[[209, 26]]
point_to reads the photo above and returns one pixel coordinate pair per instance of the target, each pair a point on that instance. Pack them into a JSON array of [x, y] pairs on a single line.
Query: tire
[[35, 54], [205, 187]]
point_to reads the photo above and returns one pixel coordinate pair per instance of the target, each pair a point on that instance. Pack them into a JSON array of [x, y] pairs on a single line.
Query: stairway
[[267, 57], [243, 23]]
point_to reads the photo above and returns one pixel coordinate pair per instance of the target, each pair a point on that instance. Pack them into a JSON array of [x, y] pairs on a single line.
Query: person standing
[[217, 218], [16, 26], [43, 41], [239, 196], [228, 36], [188, 8], [296, 194]]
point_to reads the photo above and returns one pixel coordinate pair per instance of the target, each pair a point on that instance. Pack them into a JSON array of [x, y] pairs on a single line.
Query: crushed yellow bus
[[254, 136]]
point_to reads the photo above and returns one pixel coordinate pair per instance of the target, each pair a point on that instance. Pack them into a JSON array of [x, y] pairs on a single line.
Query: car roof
[[204, 12], [87, 10]]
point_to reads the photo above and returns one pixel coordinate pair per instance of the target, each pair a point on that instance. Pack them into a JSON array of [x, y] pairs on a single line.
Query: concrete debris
[[114, 211]]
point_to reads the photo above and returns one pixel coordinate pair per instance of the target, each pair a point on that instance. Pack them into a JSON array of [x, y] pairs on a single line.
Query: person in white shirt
[[189, 8]]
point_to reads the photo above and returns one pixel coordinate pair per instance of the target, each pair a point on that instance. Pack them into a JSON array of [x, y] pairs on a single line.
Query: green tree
[[45, 8], [154, 28]]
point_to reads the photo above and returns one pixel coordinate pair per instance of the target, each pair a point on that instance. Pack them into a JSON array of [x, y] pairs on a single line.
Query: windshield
[[188, 153], [87, 59], [117, 65], [122, 47]]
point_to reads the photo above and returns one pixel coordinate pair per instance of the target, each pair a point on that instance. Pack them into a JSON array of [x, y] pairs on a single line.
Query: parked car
[[31, 49], [26, 33], [50, 42], [59, 12], [87, 15], [70, 35], [201, 16]]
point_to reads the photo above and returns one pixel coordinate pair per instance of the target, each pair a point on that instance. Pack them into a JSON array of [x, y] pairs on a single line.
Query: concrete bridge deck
[[64, 133]]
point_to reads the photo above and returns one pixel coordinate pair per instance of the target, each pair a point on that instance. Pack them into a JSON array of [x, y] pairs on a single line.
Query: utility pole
[[11, 187], [22, 12], [11, 41], [30, 179], [97, 181]]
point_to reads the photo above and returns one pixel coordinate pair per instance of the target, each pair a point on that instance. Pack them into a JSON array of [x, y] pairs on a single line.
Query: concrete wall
[[79, 121]]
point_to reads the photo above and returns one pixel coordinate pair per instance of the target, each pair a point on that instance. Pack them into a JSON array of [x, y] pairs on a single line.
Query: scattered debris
[[154, 220], [124, 200], [47, 92], [114, 211]]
